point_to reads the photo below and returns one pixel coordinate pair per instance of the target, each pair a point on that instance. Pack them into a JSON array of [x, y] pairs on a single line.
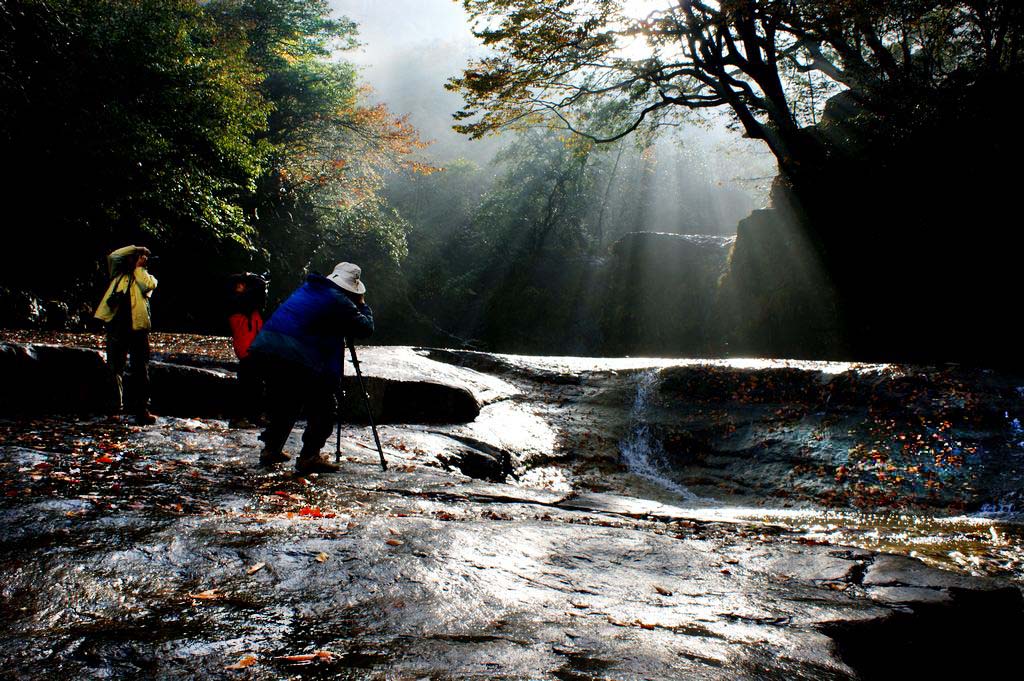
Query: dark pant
[[292, 389], [123, 343], [250, 387]]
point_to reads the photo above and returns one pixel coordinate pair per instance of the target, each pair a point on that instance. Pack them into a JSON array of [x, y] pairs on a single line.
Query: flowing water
[[987, 542], [642, 452]]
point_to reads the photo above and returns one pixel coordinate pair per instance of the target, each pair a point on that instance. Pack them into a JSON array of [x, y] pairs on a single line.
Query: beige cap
[[346, 275]]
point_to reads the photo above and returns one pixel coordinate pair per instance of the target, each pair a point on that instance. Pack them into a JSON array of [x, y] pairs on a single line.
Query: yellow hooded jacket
[[144, 283]]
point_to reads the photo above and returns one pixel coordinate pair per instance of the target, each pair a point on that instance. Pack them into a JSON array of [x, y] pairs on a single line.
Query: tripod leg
[[337, 418], [366, 401]]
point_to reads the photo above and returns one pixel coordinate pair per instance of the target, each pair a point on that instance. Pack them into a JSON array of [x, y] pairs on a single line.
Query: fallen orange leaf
[[208, 595], [322, 557], [246, 661], [256, 568]]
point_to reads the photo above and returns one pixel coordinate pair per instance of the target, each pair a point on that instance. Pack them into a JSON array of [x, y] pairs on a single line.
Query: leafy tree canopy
[[770, 62], [226, 129], [141, 113]]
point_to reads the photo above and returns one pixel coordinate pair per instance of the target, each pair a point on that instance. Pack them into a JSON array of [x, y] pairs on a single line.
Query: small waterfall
[[641, 451]]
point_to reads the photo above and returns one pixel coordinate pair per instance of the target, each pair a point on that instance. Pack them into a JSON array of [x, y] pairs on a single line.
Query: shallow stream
[[989, 541]]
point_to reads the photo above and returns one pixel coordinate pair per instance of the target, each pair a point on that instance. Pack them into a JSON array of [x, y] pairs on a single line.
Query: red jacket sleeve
[[243, 331]]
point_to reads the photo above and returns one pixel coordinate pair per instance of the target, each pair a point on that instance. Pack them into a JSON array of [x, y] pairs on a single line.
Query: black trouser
[[250, 387], [123, 342], [292, 389]]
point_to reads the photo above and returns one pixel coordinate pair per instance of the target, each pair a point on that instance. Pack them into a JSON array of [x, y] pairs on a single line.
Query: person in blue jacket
[[300, 351]]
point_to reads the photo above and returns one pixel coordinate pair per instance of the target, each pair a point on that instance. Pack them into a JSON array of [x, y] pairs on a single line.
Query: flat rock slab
[[165, 552], [405, 386], [548, 366], [407, 364], [904, 571]]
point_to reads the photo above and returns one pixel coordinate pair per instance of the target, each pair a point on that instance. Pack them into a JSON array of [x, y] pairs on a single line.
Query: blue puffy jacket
[[309, 328]]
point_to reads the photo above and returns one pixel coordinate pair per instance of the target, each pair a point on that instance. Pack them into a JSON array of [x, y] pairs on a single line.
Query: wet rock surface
[[868, 437], [168, 554], [520, 544]]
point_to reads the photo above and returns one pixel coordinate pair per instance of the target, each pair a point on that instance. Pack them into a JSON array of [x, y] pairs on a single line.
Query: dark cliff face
[[673, 295], [661, 294], [894, 247], [775, 300], [901, 233], [653, 293]]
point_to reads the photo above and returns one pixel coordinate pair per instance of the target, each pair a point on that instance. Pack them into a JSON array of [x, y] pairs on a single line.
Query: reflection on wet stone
[[165, 552]]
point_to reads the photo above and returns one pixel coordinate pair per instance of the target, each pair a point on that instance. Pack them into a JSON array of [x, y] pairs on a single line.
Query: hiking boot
[[270, 457], [315, 464], [144, 418]]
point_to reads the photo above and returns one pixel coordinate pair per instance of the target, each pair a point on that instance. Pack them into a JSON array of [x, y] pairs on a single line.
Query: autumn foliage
[[226, 135]]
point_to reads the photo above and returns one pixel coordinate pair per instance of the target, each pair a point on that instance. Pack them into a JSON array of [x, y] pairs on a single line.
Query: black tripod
[[369, 411]]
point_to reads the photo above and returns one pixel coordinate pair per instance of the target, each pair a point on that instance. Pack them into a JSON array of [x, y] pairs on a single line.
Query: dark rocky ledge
[[403, 387]]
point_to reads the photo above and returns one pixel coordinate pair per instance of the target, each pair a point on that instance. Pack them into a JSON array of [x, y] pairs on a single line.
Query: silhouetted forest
[[595, 218]]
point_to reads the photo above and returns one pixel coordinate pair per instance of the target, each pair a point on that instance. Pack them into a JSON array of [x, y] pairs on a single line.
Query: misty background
[[700, 178]]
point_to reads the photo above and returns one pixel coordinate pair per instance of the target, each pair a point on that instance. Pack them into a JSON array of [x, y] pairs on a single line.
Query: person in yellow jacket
[[125, 311]]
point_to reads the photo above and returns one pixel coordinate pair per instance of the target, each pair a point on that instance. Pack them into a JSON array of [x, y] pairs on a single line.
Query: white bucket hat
[[346, 275]]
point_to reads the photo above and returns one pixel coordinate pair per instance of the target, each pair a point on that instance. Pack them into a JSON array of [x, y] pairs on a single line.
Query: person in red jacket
[[248, 292]]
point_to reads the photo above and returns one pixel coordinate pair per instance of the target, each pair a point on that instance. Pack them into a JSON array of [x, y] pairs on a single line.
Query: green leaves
[[142, 118], [212, 131]]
